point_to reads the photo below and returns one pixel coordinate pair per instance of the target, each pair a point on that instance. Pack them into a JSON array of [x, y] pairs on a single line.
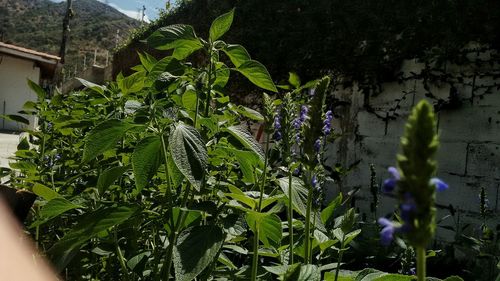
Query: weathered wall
[[14, 90], [469, 129]]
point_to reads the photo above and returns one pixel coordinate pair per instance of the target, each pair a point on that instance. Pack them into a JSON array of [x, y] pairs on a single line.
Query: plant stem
[[290, 218], [173, 236], [307, 258], [209, 82], [421, 264], [341, 253], [255, 259]]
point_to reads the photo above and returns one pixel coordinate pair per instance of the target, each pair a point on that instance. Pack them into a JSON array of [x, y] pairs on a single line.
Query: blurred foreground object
[[18, 258], [19, 201]]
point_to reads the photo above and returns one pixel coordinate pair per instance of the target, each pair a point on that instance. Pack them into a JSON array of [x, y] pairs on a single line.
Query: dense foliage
[[155, 176]]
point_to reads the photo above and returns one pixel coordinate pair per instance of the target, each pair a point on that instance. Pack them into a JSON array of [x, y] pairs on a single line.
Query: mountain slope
[[37, 24]]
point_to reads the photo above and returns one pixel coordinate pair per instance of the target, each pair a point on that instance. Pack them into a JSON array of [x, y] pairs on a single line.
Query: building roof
[[47, 62]]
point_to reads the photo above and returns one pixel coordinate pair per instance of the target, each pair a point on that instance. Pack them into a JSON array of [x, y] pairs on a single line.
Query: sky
[[132, 8]]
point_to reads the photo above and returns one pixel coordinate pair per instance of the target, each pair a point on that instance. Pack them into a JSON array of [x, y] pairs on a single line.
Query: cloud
[[137, 14]]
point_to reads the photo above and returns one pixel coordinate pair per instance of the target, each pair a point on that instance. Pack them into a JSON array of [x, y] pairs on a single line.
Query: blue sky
[[131, 7]]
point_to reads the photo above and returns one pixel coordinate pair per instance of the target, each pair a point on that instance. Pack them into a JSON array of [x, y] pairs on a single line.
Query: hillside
[[37, 24]]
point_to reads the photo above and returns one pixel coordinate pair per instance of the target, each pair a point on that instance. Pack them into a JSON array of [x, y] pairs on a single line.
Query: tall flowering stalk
[[414, 185]]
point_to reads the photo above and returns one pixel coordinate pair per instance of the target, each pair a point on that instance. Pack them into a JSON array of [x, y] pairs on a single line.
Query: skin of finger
[[19, 260]]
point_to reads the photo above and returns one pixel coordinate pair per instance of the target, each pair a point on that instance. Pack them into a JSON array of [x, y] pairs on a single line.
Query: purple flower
[[303, 113], [314, 181], [277, 126], [317, 145], [57, 157], [297, 137], [390, 184], [439, 184], [387, 233], [327, 123], [296, 123], [277, 135]]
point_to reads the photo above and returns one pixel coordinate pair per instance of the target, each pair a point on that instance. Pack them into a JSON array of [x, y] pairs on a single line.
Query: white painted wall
[[469, 153], [14, 90]]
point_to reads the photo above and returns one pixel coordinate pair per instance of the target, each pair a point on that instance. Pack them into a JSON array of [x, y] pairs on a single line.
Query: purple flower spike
[[440, 185], [303, 113], [390, 184], [387, 233], [314, 181], [277, 122], [317, 145]]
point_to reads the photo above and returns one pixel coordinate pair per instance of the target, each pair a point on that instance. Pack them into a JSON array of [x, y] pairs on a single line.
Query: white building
[[18, 64]]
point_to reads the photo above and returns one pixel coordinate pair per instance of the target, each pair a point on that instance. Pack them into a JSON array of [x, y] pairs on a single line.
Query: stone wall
[[467, 101]]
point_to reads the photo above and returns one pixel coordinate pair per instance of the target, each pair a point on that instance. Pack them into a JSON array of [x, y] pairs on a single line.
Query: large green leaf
[[132, 84], [388, 277], [257, 73], [94, 87], [45, 192], [299, 193], [196, 248], [147, 61], [245, 138], [145, 160], [88, 227], [221, 25], [185, 48], [109, 176], [103, 137], [327, 213], [54, 208], [248, 161], [189, 153], [167, 64], [39, 91], [308, 272], [15, 118], [268, 225], [237, 54], [167, 38]]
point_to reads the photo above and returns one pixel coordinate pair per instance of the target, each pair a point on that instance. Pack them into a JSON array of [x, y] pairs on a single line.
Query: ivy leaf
[[146, 160], [268, 225], [189, 153], [221, 25], [90, 225], [104, 137], [237, 54], [109, 176], [196, 249]]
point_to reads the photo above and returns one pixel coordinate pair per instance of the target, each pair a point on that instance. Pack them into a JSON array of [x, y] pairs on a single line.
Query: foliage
[[155, 176]]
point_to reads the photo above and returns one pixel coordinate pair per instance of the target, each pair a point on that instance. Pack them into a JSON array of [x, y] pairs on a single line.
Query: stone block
[[470, 124], [483, 160], [370, 125], [452, 158]]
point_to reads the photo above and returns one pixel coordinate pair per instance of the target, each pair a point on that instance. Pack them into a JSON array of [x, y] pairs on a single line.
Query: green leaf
[[109, 176], [388, 277], [250, 113], [268, 225], [327, 213], [15, 118], [308, 272], [248, 161], [185, 48], [189, 153], [167, 64], [221, 25], [245, 138], [190, 217], [133, 83], [294, 79], [189, 98], [453, 278], [222, 74], [37, 89], [53, 209], [299, 193], [146, 160], [45, 192], [94, 87], [147, 61], [89, 226], [104, 137], [196, 249], [168, 37], [257, 74], [237, 54]]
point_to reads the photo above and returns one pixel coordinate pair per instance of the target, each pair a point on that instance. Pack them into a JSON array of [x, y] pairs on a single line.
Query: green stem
[[341, 253], [173, 236], [421, 263], [255, 259], [209, 81], [307, 251], [290, 217]]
